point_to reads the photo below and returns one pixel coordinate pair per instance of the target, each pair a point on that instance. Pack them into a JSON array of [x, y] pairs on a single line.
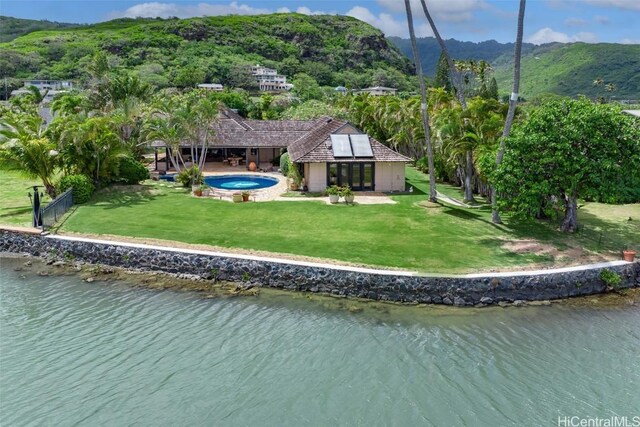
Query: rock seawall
[[388, 286]]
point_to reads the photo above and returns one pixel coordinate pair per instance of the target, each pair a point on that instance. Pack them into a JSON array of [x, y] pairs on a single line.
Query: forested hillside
[[489, 50], [10, 28], [335, 50], [562, 69], [571, 70]]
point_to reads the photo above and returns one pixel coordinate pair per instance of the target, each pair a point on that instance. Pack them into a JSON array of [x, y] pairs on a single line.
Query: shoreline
[[355, 282], [207, 290]]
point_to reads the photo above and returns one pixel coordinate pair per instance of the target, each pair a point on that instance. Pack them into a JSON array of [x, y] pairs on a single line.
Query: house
[[215, 87], [378, 91], [327, 151], [269, 80], [48, 88]]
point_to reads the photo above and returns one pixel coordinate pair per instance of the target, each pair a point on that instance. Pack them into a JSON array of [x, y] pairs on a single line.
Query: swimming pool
[[240, 182]]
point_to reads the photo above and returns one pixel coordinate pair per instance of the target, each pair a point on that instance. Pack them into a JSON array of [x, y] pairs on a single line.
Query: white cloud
[[306, 11], [442, 10], [604, 20], [386, 23], [575, 22], [166, 10], [621, 4], [547, 35], [630, 41]]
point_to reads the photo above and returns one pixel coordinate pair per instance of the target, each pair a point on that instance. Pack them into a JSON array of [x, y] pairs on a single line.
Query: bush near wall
[[82, 186]]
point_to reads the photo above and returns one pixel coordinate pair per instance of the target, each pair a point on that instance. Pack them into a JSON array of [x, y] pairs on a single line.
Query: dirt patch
[[573, 255]]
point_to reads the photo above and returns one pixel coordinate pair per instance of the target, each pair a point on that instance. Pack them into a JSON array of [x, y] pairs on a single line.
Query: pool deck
[[275, 192]]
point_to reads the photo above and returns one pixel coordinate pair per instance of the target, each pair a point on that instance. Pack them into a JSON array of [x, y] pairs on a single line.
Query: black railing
[[56, 209]]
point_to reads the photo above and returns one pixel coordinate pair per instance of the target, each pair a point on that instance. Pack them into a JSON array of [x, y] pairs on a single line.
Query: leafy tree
[[567, 150], [306, 87], [380, 78], [188, 77], [240, 77], [492, 91], [442, 79]]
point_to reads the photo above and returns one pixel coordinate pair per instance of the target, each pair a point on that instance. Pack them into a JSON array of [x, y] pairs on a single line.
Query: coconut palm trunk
[[423, 106], [456, 78], [513, 102], [456, 81]]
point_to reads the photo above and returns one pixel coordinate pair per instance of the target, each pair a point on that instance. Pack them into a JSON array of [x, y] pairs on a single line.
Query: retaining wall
[[487, 288]]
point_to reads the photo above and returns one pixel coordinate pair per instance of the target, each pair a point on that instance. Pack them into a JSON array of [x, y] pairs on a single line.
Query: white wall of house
[[389, 176], [316, 175]]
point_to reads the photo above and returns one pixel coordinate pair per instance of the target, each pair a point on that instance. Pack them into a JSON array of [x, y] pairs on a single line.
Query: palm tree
[[513, 102], [89, 146], [456, 80], [423, 106], [24, 147], [455, 75]]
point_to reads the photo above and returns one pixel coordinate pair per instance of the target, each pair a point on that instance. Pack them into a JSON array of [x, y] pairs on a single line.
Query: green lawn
[[15, 207], [404, 235]]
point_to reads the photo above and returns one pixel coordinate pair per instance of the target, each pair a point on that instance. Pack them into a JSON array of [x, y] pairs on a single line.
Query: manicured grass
[[404, 235], [15, 207]]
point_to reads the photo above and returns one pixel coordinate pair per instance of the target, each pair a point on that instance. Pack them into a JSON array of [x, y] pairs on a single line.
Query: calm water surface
[[75, 353]]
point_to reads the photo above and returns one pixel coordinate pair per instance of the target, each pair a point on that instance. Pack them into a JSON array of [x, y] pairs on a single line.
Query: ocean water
[[106, 353]]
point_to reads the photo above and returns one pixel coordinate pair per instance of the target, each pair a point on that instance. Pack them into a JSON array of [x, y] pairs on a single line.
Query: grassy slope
[[402, 235], [570, 70], [15, 207], [11, 28]]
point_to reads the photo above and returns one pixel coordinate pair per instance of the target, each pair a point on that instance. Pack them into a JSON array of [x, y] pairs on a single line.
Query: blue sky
[[591, 21]]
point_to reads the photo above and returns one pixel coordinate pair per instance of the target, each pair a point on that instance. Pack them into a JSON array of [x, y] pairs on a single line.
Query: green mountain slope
[[10, 28], [333, 49], [429, 49], [570, 70]]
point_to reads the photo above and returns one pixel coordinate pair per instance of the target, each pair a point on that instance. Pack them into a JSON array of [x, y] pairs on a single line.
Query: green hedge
[[131, 171], [82, 186]]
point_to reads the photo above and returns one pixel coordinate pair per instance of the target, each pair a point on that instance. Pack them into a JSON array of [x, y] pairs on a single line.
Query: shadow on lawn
[[118, 197], [598, 234], [15, 211]]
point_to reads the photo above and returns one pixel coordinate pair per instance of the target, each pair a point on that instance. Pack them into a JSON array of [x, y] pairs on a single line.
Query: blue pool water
[[168, 177], [240, 182]]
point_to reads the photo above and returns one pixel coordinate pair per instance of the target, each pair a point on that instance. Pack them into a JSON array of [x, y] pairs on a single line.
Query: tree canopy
[[567, 150]]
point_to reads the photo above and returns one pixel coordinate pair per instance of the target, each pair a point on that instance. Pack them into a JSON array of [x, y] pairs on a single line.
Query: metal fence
[[56, 209]]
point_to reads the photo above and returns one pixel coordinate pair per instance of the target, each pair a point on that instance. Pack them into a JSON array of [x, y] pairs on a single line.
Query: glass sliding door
[[368, 176], [344, 174], [358, 176], [332, 174]]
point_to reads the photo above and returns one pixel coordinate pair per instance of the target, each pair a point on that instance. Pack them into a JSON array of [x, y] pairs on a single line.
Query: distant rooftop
[[632, 112]]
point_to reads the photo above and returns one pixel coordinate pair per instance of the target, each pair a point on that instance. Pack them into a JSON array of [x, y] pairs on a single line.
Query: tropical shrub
[[190, 176], [82, 186], [131, 171], [610, 278], [285, 163]]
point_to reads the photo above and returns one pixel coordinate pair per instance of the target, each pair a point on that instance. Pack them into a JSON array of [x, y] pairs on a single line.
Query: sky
[[590, 21]]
